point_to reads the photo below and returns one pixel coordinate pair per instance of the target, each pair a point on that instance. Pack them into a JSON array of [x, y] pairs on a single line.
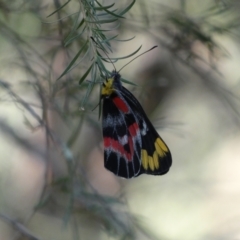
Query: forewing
[[155, 155], [122, 138]]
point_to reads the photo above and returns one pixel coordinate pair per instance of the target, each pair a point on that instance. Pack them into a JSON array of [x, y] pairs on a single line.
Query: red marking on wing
[[121, 104], [133, 129], [130, 142], [118, 147], [115, 145]]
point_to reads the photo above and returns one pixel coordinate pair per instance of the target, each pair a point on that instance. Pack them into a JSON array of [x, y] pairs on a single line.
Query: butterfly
[[132, 146]]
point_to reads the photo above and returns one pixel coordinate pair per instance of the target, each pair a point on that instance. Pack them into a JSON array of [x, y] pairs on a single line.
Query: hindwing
[[155, 155]]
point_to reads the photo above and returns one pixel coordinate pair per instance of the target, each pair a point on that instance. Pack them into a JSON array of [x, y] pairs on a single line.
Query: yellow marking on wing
[[162, 145], [151, 163], [159, 150], [155, 160], [107, 88], [144, 159]]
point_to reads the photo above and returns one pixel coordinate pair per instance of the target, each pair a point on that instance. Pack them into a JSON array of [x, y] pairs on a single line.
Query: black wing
[[122, 138], [155, 155]]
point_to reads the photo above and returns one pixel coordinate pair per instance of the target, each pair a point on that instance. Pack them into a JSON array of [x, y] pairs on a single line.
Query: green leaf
[[108, 30], [125, 40], [75, 26], [59, 8], [109, 39], [68, 68], [75, 23], [105, 7], [127, 8], [103, 21], [81, 23], [131, 54], [89, 90], [101, 66], [85, 74], [109, 12], [70, 40]]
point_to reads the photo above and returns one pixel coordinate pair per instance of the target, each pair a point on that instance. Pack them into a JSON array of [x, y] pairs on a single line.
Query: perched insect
[[132, 146]]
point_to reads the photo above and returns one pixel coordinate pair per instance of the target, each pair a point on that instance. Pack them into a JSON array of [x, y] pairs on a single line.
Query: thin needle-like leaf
[[59, 8], [89, 90], [110, 20], [127, 8], [105, 7], [130, 55], [85, 74], [81, 23], [68, 68], [124, 40], [70, 40], [109, 12]]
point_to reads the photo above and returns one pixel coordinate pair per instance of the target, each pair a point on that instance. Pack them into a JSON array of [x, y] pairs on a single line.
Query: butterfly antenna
[[137, 57], [105, 52]]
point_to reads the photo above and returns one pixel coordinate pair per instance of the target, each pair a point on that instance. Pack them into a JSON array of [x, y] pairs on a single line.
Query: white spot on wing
[[111, 121], [145, 129], [123, 140]]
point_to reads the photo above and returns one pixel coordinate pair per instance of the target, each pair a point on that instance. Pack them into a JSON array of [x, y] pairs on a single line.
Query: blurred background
[[53, 184]]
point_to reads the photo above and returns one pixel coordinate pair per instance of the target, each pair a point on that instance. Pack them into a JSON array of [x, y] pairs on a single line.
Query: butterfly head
[[111, 84]]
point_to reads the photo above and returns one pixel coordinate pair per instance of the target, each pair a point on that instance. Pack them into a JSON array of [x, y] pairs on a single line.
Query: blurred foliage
[[84, 34]]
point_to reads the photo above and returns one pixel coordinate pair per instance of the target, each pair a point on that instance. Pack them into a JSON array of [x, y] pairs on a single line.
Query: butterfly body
[[132, 146]]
